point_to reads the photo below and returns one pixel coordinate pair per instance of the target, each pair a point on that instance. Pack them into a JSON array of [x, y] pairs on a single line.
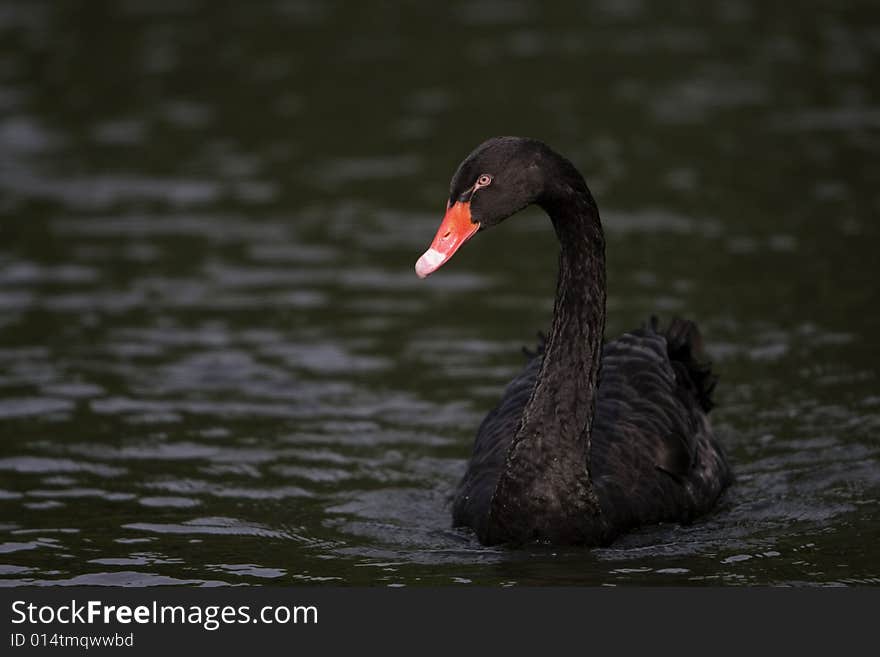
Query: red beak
[[455, 229]]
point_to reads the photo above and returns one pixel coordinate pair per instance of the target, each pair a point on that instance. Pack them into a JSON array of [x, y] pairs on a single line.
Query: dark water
[[217, 364]]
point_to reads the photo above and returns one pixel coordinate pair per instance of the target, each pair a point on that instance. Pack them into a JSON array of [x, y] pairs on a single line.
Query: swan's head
[[499, 178]]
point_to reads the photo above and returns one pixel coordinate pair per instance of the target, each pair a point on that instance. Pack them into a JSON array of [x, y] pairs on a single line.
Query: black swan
[[588, 441]]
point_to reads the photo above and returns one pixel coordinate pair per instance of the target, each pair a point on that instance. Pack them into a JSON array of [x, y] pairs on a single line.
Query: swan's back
[[653, 456]]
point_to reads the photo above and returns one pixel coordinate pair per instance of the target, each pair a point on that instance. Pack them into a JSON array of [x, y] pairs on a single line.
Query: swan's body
[[652, 455], [589, 440]]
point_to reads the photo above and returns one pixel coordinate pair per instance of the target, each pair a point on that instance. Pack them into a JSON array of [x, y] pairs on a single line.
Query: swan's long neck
[[545, 489], [562, 404]]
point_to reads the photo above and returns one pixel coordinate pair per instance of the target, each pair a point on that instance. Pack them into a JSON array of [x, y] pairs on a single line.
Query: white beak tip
[[429, 263]]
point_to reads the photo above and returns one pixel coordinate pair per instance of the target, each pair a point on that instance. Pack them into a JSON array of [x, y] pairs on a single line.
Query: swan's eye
[[484, 180]]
